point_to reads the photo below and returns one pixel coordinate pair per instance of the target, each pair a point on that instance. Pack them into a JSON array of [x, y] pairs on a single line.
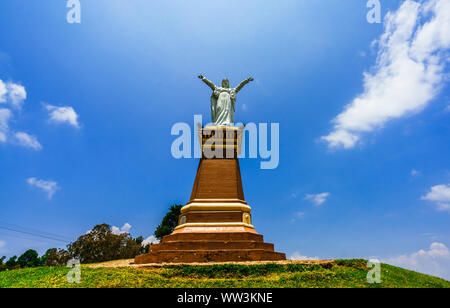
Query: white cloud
[[12, 93], [298, 215], [341, 138], [63, 115], [415, 173], [298, 256], [16, 94], [439, 194], [435, 261], [407, 75], [26, 140], [3, 91], [150, 240], [125, 229], [49, 187], [12, 96], [317, 199], [19, 138], [5, 115]]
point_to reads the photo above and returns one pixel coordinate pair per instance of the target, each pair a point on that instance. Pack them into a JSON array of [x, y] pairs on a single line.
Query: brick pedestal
[[215, 225]]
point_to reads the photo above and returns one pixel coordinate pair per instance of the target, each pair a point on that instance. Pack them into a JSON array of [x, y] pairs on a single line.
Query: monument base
[[202, 247], [216, 224]]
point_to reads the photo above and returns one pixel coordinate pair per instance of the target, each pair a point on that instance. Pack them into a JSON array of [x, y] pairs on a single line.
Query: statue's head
[[225, 83]]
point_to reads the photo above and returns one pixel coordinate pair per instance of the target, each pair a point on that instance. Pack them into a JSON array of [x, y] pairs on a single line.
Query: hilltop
[[335, 274]]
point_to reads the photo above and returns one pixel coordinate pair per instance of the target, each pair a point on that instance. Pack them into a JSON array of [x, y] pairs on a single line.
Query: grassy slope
[[342, 273]]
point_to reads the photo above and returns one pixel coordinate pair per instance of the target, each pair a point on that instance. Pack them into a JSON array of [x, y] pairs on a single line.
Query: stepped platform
[[216, 224], [211, 247]]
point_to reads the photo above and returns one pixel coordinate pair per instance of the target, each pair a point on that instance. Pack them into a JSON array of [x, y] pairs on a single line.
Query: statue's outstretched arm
[[242, 84], [208, 82]]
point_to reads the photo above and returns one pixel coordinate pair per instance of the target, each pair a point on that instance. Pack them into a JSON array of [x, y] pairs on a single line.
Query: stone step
[[203, 256], [219, 236], [211, 245]]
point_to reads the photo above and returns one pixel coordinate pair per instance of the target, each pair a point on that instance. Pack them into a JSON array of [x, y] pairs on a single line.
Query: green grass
[[338, 274]]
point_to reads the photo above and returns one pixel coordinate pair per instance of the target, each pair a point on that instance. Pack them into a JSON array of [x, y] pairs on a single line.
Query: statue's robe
[[223, 102]]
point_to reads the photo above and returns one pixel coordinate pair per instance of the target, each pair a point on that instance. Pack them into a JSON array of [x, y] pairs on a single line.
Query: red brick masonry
[[215, 226], [211, 247]]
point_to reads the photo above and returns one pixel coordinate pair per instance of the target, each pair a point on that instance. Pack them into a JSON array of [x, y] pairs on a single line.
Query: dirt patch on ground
[[117, 263], [130, 263]]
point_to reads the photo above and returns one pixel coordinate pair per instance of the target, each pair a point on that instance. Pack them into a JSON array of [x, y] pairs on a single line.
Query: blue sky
[[128, 71]]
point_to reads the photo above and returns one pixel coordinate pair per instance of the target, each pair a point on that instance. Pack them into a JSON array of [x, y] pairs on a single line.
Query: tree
[[144, 248], [169, 222], [100, 245], [44, 258], [2, 265], [11, 263], [55, 257], [29, 258]]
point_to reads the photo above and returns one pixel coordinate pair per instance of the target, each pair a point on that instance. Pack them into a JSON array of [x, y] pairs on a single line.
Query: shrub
[[169, 222], [12, 263], [55, 257], [100, 245], [29, 258]]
